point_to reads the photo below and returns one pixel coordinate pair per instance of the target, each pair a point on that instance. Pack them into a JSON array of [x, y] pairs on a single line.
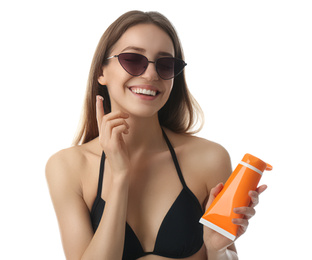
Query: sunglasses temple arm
[[115, 56]]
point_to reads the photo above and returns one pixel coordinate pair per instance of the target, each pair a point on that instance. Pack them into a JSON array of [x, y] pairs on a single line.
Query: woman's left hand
[[214, 240]]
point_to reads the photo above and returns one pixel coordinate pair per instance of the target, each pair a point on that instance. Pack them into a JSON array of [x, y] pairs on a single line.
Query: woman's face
[[124, 89]]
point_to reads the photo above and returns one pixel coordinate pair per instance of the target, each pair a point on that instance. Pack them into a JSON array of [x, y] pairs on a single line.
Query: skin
[[140, 182]]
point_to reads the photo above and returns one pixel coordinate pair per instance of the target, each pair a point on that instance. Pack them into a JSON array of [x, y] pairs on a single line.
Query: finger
[[213, 194], [117, 138], [243, 223], [118, 131], [261, 189], [248, 212], [254, 196], [106, 121], [216, 190], [115, 115], [110, 125], [99, 111]]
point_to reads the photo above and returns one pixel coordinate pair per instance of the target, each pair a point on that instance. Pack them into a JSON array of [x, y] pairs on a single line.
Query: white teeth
[[147, 92]]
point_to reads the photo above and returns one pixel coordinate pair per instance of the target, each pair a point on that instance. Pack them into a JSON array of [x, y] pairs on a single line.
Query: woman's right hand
[[112, 127]]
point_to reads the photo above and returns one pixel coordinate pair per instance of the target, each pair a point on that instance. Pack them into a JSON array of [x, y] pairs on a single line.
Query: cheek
[[169, 86], [116, 77]]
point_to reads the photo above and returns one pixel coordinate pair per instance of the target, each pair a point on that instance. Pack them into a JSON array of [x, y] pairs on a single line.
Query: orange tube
[[234, 194]]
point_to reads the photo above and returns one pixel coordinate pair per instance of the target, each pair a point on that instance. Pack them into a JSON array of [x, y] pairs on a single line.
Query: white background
[[249, 66]]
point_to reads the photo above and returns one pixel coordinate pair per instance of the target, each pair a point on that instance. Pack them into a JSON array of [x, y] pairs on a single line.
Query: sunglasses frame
[[148, 61]]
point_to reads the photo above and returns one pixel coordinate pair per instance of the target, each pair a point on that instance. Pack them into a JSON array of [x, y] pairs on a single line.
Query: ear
[[102, 79]]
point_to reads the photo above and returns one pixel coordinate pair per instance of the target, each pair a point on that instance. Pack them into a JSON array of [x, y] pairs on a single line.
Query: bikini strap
[[99, 191], [175, 160]]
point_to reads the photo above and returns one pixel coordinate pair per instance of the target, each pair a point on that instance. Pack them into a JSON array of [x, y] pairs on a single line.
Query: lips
[[144, 90]]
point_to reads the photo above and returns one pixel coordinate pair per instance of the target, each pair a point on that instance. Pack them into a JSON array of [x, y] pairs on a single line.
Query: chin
[[139, 109], [143, 114]]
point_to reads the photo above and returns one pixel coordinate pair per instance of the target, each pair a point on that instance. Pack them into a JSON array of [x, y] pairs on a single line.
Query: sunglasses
[[136, 64]]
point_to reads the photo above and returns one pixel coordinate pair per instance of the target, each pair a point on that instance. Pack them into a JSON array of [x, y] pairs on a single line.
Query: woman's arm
[[79, 241], [219, 247], [226, 254], [219, 168], [108, 240]]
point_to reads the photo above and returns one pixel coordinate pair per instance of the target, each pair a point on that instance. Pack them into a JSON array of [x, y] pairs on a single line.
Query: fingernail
[[99, 97]]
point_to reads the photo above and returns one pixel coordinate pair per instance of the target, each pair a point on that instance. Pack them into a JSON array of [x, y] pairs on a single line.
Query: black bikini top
[[180, 234]]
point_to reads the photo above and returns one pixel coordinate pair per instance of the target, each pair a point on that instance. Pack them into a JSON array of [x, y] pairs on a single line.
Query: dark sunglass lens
[[168, 68], [134, 64], [178, 66], [165, 67]]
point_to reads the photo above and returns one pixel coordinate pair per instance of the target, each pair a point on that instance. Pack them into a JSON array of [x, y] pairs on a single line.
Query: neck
[[145, 134]]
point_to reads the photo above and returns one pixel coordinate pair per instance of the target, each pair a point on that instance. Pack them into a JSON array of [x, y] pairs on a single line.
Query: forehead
[[148, 37]]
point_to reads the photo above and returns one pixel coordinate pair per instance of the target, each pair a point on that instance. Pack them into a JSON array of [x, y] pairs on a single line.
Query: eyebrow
[[161, 53]]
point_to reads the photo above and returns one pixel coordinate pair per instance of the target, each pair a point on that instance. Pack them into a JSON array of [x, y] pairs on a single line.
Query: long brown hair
[[181, 112]]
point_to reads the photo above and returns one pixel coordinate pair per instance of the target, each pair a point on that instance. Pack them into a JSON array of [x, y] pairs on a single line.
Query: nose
[[150, 73]]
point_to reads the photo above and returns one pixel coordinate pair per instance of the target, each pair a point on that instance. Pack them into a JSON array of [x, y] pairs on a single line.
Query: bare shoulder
[[209, 161], [72, 160], [66, 159], [62, 168]]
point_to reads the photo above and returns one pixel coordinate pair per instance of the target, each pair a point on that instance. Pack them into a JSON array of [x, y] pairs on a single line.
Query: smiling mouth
[[145, 92]]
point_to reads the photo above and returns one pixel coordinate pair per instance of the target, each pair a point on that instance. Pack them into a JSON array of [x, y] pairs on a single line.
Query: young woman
[[137, 182]]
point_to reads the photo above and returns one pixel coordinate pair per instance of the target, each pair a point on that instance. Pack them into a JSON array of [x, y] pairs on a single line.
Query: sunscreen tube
[[234, 194]]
